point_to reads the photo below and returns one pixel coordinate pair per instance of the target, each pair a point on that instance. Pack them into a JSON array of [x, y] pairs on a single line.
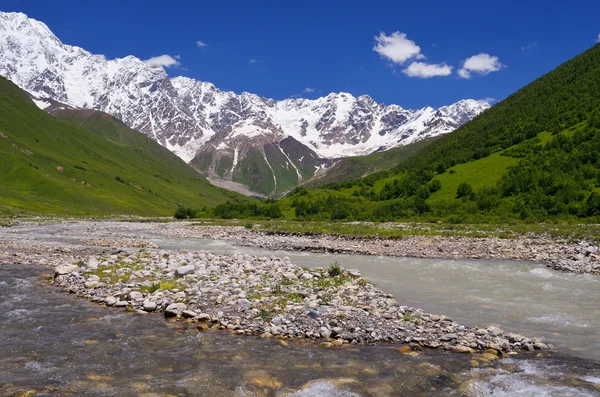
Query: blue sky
[[387, 49]]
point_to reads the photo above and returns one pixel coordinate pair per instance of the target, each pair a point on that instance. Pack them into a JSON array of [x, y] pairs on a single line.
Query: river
[[57, 344]]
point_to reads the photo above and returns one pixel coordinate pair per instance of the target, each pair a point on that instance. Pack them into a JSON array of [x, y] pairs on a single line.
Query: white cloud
[[598, 39], [529, 46], [427, 70], [308, 90], [464, 73], [252, 60], [397, 48], [201, 44], [481, 64], [166, 61]]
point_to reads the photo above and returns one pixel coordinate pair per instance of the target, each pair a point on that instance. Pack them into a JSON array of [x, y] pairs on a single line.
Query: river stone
[[149, 306], [540, 346], [289, 276], [183, 270], [336, 331], [65, 269], [188, 314], [204, 317], [448, 337], [515, 337], [174, 309], [92, 263], [461, 349], [135, 295], [528, 347], [494, 331], [110, 301]]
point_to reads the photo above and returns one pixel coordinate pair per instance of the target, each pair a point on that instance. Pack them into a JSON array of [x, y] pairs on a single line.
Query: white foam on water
[[20, 313], [558, 319], [547, 287], [36, 366], [543, 272], [323, 389], [534, 379], [19, 297], [507, 386], [112, 317], [592, 379]]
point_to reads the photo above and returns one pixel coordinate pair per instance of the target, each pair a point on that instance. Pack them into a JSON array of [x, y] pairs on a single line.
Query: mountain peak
[[184, 114]]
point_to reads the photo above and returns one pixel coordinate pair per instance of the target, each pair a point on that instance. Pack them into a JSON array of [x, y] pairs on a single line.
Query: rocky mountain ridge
[[224, 134]]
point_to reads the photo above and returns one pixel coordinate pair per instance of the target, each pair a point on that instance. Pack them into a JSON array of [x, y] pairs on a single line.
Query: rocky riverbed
[[272, 297], [577, 256]]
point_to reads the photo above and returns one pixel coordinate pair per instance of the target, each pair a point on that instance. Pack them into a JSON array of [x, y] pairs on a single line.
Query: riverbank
[[244, 294], [570, 249], [577, 256], [272, 297]]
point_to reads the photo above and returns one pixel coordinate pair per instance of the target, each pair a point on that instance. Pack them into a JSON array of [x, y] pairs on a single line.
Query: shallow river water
[[57, 344], [524, 297]]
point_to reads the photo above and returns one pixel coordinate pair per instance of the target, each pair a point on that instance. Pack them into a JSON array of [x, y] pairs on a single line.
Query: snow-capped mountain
[[222, 133]]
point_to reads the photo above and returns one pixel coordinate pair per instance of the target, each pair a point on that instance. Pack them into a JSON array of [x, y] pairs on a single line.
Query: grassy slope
[[34, 146], [480, 173], [359, 166]]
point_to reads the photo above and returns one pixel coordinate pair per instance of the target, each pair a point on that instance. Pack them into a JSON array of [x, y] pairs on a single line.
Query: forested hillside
[[532, 157]]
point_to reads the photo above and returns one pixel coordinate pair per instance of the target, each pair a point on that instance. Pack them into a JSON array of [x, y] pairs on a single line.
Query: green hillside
[[532, 157], [61, 167], [359, 166]]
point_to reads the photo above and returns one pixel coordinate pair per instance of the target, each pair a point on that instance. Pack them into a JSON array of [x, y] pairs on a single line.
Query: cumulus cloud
[[164, 60], [308, 90], [427, 70], [397, 47], [598, 38], [481, 64], [201, 44], [252, 60]]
